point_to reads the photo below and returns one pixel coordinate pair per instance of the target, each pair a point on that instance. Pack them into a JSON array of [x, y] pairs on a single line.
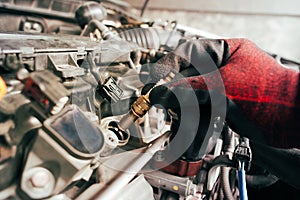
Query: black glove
[[191, 116], [192, 112]]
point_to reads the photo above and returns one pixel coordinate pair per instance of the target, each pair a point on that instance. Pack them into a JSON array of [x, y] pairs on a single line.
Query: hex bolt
[[159, 156], [40, 179], [38, 182]]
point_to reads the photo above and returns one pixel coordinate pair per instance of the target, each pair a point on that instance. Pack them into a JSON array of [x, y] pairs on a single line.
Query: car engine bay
[[76, 123]]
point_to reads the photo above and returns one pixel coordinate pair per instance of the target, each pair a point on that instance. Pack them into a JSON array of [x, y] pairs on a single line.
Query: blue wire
[[242, 182]]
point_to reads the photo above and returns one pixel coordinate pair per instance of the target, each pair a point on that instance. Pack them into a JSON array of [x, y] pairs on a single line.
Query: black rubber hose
[[283, 163], [261, 181]]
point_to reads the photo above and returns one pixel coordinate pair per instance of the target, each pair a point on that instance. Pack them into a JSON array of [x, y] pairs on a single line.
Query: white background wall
[[273, 24], [279, 7]]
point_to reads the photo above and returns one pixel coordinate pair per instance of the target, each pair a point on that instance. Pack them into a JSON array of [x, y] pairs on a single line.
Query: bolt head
[[40, 179]]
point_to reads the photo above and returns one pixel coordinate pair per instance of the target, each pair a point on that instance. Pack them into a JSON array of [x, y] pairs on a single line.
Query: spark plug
[[138, 109]]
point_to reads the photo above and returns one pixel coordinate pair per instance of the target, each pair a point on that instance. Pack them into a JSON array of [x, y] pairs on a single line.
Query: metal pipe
[[179, 185], [111, 191]]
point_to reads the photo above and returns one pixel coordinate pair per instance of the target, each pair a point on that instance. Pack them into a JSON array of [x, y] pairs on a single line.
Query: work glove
[[262, 98], [191, 116], [265, 91]]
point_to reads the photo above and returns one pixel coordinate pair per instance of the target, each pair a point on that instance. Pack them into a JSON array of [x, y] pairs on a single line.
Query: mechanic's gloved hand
[[177, 97], [266, 92], [257, 89], [191, 115]]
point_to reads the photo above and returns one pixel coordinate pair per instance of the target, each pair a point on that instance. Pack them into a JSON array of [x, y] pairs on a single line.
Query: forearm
[[266, 92]]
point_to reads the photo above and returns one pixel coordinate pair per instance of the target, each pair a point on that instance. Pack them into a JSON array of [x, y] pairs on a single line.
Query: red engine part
[[180, 167]]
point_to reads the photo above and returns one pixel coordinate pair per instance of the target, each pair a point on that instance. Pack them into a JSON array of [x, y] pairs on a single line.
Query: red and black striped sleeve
[[266, 92]]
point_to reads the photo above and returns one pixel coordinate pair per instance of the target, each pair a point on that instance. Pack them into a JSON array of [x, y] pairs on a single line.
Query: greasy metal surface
[[12, 41]]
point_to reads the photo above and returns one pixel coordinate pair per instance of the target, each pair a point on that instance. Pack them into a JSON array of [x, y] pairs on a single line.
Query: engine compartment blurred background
[[273, 25]]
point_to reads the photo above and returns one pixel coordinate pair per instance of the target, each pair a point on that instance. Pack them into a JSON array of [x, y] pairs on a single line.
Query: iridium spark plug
[[138, 109]]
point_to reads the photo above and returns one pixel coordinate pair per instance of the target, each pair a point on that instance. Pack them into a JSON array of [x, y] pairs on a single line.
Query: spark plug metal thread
[[138, 109]]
